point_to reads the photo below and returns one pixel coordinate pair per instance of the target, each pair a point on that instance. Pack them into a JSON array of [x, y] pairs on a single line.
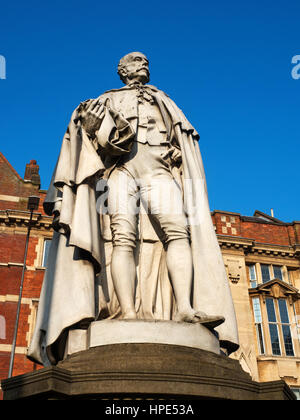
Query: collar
[[131, 87]]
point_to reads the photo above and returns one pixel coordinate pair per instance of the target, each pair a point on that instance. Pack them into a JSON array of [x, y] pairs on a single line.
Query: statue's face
[[136, 68]]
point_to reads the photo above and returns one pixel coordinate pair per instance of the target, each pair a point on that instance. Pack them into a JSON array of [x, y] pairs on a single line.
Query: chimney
[[32, 173]]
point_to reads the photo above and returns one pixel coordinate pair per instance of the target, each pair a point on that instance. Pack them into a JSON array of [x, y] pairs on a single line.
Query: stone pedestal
[[106, 332], [143, 371]]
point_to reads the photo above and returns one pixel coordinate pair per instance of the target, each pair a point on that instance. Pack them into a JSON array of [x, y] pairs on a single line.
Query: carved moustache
[[144, 68]]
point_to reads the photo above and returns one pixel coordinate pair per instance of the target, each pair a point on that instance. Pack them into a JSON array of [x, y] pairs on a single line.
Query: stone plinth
[[143, 370], [108, 332]]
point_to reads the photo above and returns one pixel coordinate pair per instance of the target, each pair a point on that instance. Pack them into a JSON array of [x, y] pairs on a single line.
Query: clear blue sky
[[227, 64]]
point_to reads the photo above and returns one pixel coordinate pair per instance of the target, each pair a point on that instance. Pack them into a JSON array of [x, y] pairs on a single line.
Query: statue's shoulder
[[130, 88], [126, 89], [116, 91], [155, 89], [120, 94], [114, 94], [108, 94]]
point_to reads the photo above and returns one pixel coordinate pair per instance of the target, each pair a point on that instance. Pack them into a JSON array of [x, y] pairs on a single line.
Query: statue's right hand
[[91, 116]]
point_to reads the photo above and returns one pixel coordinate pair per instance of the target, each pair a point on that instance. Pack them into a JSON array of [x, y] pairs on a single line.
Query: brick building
[[261, 255], [14, 219], [262, 258]]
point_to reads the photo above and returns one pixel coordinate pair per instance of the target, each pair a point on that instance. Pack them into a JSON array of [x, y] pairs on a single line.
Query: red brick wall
[[266, 233], [269, 233], [9, 311], [231, 222], [11, 183], [10, 280], [33, 283], [12, 248], [297, 232], [4, 358]]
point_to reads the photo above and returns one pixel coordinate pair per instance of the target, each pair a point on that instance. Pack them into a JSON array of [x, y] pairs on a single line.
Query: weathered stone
[[108, 332], [144, 371]]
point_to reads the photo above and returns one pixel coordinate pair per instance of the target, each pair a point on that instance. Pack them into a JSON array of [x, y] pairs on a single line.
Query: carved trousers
[[144, 184]]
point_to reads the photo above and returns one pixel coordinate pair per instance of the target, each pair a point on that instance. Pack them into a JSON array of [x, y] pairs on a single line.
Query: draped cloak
[[78, 287]]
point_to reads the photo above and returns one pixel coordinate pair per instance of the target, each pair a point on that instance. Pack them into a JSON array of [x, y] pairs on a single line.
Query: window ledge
[[270, 357]]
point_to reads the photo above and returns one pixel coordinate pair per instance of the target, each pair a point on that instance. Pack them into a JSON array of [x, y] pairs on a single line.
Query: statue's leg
[[167, 214], [180, 267], [123, 271], [123, 217], [163, 198]]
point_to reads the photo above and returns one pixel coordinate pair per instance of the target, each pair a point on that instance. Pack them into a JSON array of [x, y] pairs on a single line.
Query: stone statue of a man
[[160, 260], [146, 161]]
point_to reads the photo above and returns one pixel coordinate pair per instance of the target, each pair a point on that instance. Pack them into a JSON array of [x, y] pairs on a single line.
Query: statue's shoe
[[198, 317], [208, 320]]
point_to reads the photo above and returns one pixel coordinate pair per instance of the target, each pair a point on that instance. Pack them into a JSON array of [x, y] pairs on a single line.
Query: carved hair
[[122, 64]]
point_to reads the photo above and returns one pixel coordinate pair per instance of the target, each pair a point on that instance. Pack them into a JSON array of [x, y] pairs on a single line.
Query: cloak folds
[[77, 286]]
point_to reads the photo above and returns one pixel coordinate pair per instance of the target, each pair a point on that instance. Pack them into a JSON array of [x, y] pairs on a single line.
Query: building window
[[285, 326], [252, 275], [271, 272], [258, 324], [273, 328], [47, 243], [265, 272], [273, 316], [296, 391], [279, 326], [289, 276], [277, 272]]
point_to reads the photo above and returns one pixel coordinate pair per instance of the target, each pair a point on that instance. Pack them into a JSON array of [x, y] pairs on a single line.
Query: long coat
[[77, 286]]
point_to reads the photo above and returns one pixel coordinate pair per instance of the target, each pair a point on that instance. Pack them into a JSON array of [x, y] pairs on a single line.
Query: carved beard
[[144, 79]]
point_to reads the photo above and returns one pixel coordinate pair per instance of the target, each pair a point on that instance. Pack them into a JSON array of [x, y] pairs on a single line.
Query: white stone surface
[[106, 332], [77, 341]]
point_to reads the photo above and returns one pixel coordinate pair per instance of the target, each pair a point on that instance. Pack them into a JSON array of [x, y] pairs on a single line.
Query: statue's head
[[134, 67]]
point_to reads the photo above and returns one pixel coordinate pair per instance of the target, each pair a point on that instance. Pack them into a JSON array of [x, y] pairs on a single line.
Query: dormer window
[[272, 304]]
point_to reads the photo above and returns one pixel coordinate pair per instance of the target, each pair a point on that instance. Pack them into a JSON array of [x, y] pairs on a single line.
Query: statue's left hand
[[91, 116], [174, 155]]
